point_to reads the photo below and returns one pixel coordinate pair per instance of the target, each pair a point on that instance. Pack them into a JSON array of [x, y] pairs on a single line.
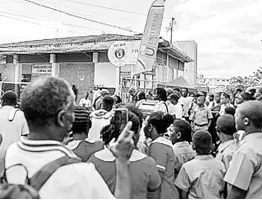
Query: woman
[[161, 150], [144, 175], [162, 97], [85, 102]]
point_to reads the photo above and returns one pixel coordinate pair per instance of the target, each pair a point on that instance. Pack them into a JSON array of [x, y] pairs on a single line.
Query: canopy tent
[[180, 83]]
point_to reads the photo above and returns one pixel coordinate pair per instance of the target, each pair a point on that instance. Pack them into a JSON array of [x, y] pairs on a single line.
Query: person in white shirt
[[85, 102], [12, 123], [175, 108], [48, 105], [225, 103], [141, 98], [161, 105], [186, 102], [101, 118]]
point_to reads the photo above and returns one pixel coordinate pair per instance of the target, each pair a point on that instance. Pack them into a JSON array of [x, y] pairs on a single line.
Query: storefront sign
[[42, 69]]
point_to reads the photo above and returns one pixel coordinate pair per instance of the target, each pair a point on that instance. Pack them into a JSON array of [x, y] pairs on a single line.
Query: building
[[217, 84], [82, 61], [190, 72]]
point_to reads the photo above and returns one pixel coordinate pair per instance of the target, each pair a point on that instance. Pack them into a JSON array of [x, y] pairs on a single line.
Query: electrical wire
[[77, 16]]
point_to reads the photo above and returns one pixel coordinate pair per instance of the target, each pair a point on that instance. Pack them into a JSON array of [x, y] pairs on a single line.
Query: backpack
[[33, 185]]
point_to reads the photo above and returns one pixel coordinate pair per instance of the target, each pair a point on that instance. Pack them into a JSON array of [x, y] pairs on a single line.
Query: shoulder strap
[[12, 114], [96, 101], [166, 108], [41, 176]]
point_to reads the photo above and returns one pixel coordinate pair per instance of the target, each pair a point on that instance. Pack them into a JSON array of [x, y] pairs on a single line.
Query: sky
[[228, 32]]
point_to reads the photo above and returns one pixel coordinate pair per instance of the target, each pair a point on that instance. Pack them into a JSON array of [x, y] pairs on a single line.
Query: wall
[[8, 71], [105, 74], [79, 74], [190, 48]]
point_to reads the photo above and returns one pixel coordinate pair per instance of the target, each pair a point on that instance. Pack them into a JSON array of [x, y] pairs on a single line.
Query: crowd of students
[[191, 146]]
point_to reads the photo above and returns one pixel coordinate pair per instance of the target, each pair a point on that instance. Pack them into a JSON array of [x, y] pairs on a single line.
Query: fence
[[17, 88]]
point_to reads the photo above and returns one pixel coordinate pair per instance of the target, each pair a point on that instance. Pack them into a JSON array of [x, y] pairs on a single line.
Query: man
[[48, 104], [244, 176], [101, 118], [12, 123], [210, 102], [75, 90], [225, 103], [186, 102], [174, 107], [133, 95], [99, 101]]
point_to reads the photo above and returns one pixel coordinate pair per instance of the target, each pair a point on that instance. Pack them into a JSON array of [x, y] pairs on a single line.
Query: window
[[102, 57], [26, 78]]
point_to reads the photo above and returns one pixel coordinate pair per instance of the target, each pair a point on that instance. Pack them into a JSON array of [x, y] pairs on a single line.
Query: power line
[[109, 8], [77, 16]]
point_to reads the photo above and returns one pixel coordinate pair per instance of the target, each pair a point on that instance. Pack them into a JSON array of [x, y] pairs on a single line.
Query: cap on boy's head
[[230, 111], [184, 128], [226, 124], [202, 142]]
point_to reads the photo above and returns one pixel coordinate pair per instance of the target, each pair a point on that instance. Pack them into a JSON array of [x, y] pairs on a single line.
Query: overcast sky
[[228, 32]]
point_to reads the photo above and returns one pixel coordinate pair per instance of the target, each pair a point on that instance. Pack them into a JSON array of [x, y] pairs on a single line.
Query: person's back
[[98, 104], [12, 123], [100, 119], [202, 177]]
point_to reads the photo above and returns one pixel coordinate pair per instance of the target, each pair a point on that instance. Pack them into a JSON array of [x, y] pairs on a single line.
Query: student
[[98, 104], [186, 102], [48, 105], [230, 111], [225, 130], [175, 108], [201, 116], [161, 150], [81, 146], [181, 138], [225, 103], [141, 98], [85, 102], [244, 175], [202, 177], [143, 170], [162, 98], [101, 118]]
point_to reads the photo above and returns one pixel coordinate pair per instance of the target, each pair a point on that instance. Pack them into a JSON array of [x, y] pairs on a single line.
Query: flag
[[148, 48]]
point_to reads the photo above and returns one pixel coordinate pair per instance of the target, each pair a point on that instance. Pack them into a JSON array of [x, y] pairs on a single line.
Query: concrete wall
[[190, 48], [105, 74], [8, 71]]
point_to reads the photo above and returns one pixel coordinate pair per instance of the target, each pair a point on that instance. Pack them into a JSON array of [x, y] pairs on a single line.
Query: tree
[[201, 81]]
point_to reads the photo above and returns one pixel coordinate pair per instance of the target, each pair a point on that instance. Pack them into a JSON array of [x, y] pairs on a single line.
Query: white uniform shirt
[[74, 181]]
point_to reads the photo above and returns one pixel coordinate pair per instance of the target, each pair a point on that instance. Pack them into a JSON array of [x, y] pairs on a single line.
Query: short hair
[[113, 130], [178, 90], [45, 98], [230, 111], [202, 141], [226, 124], [227, 96], [211, 95], [246, 96], [82, 120], [169, 91], [185, 89], [9, 98], [184, 128], [161, 93], [239, 90], [160, 121], [108, 101], [174, 96], [253, 111], [141, 95]]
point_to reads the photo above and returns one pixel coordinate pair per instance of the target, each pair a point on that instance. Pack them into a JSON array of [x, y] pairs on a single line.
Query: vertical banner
[[148, 48]]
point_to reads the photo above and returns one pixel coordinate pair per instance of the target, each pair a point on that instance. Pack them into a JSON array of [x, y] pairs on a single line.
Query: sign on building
[[42, 69]]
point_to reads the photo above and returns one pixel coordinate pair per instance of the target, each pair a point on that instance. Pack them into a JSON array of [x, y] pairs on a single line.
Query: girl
[[161, 150]]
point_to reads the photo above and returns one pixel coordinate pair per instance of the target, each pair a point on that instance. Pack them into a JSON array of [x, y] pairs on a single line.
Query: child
[[201, 116], [81, 145], [181, 138], [226, 128], [202, 177]]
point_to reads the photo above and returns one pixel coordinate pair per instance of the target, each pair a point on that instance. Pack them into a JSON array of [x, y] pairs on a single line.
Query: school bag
[[32, 185]]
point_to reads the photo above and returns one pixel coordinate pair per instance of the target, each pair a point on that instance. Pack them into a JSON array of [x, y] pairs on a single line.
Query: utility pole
[[172, 29]]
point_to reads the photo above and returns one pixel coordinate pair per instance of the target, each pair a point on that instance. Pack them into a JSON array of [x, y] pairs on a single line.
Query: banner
[[148, 48]]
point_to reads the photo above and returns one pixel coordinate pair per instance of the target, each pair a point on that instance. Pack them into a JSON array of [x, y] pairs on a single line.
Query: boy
[[202, 177], [181, 138], [225, 103], [225, 130], [244, 175], [201, 116]]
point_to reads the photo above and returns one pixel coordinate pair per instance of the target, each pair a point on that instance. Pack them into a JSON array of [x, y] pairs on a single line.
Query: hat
[[104, 92], [82, 119]]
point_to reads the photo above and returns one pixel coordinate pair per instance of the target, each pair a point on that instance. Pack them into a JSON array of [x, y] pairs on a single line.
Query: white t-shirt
[[187, 103], [85, 103], [176, 110], [74, 181], [161, 106]]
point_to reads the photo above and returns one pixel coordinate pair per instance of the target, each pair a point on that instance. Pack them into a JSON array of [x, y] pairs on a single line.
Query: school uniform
[[183, 153], [202, 178], [74, 181], [161, 106], [85, 148], [223, 108], [245, 170], [143, 172], [175, 110], [187, 103], [226, 151], [161, 150], [200, 117]]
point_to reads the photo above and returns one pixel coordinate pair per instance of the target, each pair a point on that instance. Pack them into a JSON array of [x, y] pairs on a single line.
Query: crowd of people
[[191, 146]]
